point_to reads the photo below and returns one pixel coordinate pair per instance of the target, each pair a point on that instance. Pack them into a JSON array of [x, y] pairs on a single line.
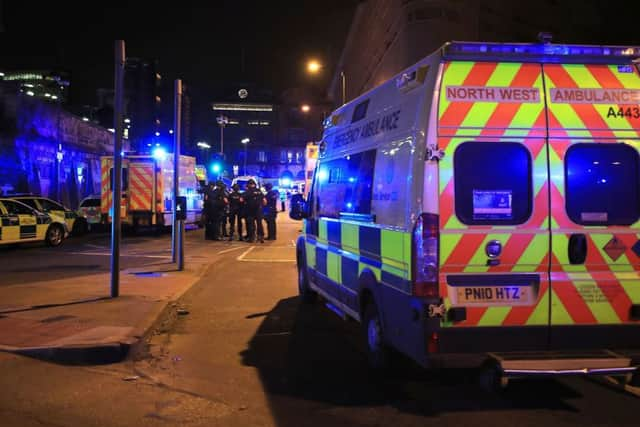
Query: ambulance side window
[[602, 184], [493, 183], [345, 185]]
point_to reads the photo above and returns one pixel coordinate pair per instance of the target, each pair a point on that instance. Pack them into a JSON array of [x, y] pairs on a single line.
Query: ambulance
[[482, 208], [147, 187]]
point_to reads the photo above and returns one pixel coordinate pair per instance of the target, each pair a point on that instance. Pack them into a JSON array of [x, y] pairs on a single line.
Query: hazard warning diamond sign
[[614, 248]]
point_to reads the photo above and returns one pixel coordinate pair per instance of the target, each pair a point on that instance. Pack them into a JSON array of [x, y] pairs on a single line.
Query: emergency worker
[[209, 211], [254, 202], [219, 202], [236, 208], [271, 211]]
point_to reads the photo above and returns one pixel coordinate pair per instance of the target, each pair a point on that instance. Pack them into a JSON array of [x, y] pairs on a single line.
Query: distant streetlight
[[245, 141], [203, 145], [222, 121], [305, 108], [313, 66]]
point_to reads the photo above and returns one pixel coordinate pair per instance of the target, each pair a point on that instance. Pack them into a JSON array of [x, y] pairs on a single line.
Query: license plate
[[493, 295]]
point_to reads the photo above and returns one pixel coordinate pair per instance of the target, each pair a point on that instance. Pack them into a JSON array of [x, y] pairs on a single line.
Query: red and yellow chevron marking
[[140, 186], [491, 99], [105, 192], [602, 290], [582, 101], [525, 247]]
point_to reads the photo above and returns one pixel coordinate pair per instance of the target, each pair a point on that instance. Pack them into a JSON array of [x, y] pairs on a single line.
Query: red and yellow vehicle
[[147, 185]]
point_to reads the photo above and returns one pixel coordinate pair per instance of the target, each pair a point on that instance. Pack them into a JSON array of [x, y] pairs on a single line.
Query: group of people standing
[[225, 212]]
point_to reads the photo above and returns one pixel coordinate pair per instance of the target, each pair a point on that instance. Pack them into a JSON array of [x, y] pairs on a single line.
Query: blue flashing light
[[323, 175], [352, 179], [540, 52], [285, 182], [215, 168], [349, 205], [159, 153]]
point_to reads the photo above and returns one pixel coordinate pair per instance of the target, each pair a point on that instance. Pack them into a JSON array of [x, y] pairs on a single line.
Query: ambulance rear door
[[594, 130], [493, 206]]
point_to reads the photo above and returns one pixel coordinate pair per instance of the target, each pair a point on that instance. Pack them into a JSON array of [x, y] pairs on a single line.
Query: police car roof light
[[540, 52]]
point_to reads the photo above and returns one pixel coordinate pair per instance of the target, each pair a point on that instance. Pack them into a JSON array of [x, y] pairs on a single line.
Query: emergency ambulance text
[[493, 94], [374, 127]]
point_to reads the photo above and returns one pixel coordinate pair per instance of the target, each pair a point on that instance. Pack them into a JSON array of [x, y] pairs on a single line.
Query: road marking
[[231, 249], [241, 257], [125, 255]]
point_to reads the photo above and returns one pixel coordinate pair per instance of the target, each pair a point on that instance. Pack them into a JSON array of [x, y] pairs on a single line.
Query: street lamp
[[313, 66], [222, 121], [245, 141], [305, 108], [344, 94]]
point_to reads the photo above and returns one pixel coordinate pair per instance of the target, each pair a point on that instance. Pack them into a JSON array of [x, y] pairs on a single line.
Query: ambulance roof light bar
[[540, 52]]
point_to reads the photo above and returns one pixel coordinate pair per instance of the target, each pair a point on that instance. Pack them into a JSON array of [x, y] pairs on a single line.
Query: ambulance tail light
[[425, 256]]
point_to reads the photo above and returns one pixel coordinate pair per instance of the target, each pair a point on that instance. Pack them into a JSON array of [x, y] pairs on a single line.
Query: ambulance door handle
[[577, 248]]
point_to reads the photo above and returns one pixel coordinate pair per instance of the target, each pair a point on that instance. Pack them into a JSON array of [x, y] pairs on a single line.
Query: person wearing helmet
[[271, 211], [254, 202], [217, 204], [236, 208]]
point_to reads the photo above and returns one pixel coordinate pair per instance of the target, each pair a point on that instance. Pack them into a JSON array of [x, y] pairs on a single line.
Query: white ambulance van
[[483, 206]]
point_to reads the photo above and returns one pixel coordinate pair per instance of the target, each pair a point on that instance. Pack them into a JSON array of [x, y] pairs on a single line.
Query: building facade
[[274, 134], [387, 36], [47, 150], [48, 85]]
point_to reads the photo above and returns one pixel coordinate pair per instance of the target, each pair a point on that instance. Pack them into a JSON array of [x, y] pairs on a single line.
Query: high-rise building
[[43, 84], [143, 83]]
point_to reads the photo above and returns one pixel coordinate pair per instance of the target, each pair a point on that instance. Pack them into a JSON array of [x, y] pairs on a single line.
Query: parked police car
[[21, 223], [75, 224]]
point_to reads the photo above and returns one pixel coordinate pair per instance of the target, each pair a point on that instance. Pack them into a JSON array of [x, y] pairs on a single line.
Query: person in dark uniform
[[209, 211], [254, 202], [219, 202], [271, 211], [236, 208]]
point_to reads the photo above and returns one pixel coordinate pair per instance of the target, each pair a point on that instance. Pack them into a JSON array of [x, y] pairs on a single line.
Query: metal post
[[344, 93], [177, 116], [222, 140], [116, 198], [245, 159]]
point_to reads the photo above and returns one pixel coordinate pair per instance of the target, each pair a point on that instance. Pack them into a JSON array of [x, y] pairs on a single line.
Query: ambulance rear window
[[492, 183], [602, 184]]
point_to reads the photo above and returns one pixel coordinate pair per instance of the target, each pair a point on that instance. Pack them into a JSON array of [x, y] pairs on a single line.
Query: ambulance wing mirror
[[298, 207]]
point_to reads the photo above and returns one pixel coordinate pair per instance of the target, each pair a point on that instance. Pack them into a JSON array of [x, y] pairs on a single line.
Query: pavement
[[74, 321]]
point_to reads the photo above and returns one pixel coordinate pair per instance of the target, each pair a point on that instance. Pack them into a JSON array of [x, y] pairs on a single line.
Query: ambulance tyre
[[491, 378], [378, 353], [54, 236], [307, 295]]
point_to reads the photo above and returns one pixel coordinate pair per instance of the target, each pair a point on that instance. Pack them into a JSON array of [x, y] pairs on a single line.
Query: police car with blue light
[[20, 223]]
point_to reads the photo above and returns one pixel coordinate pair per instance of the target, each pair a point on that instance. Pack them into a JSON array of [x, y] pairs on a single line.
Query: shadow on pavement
[[309, 359]]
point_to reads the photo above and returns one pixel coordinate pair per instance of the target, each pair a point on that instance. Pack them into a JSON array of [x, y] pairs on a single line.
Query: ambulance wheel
[[307, 295], [491, 378], [54, 236], [377, 350]]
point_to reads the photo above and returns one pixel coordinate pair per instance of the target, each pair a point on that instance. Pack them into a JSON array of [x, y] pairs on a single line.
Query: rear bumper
[[560, 350]]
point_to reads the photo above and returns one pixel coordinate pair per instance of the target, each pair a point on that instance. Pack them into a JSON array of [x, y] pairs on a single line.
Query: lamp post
[[344, 92], [205, 148], [222, 121], [245, 142]]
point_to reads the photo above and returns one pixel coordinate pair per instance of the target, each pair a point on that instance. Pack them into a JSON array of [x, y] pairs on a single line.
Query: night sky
[[203, 42], [200, 42]]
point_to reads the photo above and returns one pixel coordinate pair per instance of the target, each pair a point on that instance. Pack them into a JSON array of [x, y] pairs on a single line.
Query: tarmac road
[[247, 353]]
